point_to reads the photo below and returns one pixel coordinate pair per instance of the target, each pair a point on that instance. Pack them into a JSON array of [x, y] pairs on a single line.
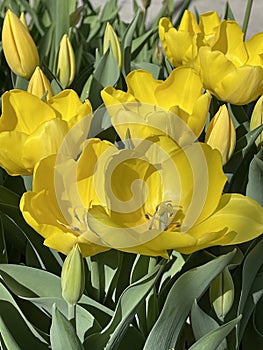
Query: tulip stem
[[247, 16], [72, 314]]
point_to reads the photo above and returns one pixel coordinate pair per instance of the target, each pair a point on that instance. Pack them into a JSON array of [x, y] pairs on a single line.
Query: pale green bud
[[73, 276], [111, 39]]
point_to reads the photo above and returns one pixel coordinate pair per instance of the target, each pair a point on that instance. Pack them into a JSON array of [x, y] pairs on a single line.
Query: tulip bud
[[73, 276], [66, 62], [146, 3], [19, 48], [257, 118], [221, 134], [111, 39], [39, 84], [23, 19]]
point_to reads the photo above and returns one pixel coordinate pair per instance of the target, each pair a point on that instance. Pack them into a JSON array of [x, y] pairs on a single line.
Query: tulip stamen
[[163, 215]]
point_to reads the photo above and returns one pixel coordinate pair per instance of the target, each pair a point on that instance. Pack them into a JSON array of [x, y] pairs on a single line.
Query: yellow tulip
[[19, 48], [66, 62], [31, 129], [158, 106], [111, 39], [155, 197], [181, 46], [257, 119], [39, 84], [221, 134], [23, 19], [232, 69]]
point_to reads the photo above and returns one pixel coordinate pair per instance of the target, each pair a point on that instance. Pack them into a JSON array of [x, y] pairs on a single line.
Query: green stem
[[72, 314], [247, 16]]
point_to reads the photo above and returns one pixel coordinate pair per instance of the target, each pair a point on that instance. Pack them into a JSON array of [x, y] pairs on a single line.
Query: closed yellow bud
[[66, 62], [73, 276], [257, 118], [111, 39], [19, 48], [23, 19], [39, 84], [221, 134]]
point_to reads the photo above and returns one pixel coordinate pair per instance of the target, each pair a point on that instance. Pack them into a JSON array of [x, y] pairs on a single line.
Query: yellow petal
[[237, 219], [188, 23], [257, 118], [11, 144], [69, 107], [209, 23], [254, 48], [23, 112], [230, 43], [182, 88], [44, 141], [142, 92]]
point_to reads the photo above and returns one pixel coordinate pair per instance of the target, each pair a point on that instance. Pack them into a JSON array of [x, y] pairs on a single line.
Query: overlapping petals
[[158, 106], [31, 129]]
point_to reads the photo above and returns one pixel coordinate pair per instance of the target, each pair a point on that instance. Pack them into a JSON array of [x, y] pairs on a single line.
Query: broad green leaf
[[228, 12], [221, 293], [62, 333], [190, 286], [202, 324], [138, 43], [10, 311], [109, 11], [213, 339], [125, 311], [257, 317], [30, 282], [255, 178], [251, 266], [16, 332], [150, 67]]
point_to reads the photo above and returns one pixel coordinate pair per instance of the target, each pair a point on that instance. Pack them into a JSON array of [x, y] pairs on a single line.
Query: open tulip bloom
[[147, 200]]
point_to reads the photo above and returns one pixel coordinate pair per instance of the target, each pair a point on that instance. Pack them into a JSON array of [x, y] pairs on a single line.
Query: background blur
[[238, 8]]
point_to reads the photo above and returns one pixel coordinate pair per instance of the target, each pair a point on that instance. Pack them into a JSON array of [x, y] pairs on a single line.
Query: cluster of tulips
[[148, 202]]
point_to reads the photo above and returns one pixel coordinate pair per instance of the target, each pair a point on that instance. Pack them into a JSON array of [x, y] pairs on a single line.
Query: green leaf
[[3, 252], [62, 333], [126, 43], [203, 324], [10, 311], [221, 294], [125, 311], [251, 266], [30, 282], [213, 339], [255, 178], [190, 286]]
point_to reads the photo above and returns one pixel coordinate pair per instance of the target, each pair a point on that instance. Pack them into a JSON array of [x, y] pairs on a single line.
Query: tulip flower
[[231, 69], [111, 39], [221, 134], [147, 200], [181, 46], [19, 48], [66, 62], [257, 118], [31, 129], [156, 106], [39, 84]]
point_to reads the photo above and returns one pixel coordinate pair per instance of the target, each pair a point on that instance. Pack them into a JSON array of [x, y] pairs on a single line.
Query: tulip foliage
[[131, 178]]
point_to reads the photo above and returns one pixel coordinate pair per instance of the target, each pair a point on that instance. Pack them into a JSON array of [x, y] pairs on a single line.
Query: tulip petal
[[254, 48], [237, 219], [38, 145], [11, 156], [182, 88], [143, 92], [23, 112], [68, 106]]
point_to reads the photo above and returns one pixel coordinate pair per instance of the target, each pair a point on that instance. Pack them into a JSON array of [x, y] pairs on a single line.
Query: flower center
[[166, 215]]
